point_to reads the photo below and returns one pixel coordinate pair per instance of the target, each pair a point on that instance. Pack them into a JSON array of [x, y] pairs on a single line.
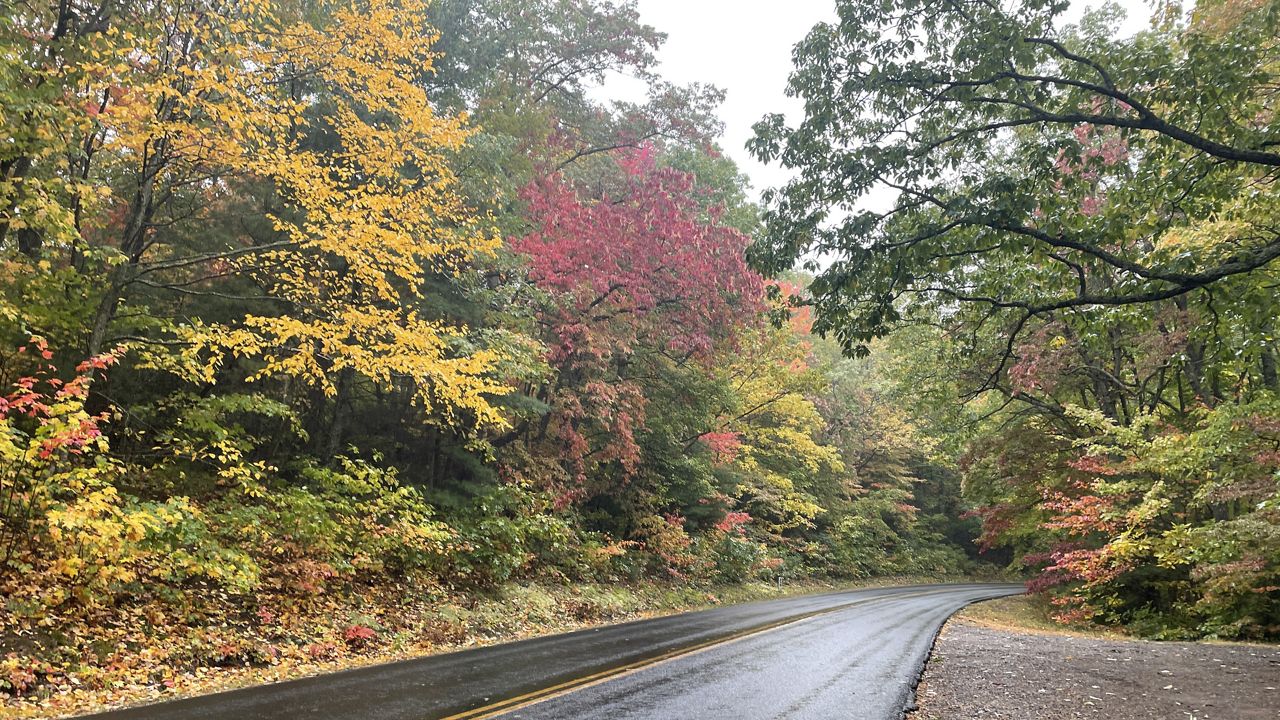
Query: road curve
[[841, 654], [858, 662]]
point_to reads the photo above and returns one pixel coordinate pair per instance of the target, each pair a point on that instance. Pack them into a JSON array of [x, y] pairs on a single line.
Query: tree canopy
[[1017, 151]]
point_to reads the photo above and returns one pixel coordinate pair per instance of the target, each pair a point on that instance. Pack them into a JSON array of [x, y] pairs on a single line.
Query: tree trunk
[[341, 401], [133, 243], [1270, 376], [106, 311], [1194, 369], [13, 170]]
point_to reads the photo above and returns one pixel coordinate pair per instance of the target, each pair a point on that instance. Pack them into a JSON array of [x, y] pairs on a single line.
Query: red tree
[[645, 272]]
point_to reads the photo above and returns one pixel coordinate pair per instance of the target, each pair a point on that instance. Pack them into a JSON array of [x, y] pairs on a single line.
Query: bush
[[506, 533], [736, 559]]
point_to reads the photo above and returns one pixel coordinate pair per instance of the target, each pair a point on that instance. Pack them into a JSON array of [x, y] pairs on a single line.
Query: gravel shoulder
[[982, 668]]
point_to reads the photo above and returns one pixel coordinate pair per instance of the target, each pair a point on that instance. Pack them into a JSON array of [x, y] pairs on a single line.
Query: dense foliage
[[311, 309], [1080, 239]]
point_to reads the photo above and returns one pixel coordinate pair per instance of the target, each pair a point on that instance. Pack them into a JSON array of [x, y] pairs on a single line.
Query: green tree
[[1037, 169]]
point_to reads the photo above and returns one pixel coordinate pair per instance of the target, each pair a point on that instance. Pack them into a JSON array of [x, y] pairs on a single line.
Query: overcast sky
[[744, 47]]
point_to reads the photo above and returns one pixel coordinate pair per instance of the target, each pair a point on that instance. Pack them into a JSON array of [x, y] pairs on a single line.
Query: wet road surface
[[860, 662], [851, 654]]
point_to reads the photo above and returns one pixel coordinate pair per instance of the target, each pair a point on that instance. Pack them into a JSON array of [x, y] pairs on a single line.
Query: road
[[850, 654]]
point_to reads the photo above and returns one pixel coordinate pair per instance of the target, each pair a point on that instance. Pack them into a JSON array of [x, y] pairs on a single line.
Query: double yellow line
[[530, 698]]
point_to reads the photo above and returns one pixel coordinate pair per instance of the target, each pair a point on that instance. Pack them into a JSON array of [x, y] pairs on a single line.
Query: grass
[[1028, 613]]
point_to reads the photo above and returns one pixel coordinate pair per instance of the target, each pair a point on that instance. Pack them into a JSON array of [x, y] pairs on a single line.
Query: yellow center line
[[531, 698]]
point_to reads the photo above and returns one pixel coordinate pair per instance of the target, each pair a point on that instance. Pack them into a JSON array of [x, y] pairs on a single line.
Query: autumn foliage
[[639, 274], [385, 314]]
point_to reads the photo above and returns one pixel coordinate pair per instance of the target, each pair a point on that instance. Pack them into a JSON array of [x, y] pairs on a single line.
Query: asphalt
[[853, 654]]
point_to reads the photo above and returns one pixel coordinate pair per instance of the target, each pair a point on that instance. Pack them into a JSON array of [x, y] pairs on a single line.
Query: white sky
[[744, 47]]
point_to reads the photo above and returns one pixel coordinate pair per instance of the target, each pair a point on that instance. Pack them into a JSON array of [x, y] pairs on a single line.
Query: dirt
[[988, 672]]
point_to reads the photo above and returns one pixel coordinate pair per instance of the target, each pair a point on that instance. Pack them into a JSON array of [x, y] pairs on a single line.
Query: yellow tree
[[173, 106], [367, 210], [771, 432]]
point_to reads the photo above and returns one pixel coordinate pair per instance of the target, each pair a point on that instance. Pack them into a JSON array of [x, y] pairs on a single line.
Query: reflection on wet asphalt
[[859, 662]]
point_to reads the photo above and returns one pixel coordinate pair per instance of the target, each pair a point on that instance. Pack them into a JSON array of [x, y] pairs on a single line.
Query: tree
[[400, 310], [345, 152], [770, 435], [632, 280], [1036, 169], [526, 69], [368, 212]]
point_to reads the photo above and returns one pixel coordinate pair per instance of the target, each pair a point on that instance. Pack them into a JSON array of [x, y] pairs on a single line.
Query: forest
[[321, 320]]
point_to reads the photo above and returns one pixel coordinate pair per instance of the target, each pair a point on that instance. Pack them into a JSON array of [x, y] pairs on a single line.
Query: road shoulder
[[982, 667]]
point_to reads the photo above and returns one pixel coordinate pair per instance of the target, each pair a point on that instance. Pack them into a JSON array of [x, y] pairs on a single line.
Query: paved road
[[860, 662], [851, 654]]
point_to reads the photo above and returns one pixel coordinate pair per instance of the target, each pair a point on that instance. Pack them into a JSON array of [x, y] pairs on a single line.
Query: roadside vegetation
[[1028, 613], [334, 331]]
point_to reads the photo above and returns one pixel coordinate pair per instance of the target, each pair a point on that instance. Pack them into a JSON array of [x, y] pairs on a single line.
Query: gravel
[[978, 671]]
